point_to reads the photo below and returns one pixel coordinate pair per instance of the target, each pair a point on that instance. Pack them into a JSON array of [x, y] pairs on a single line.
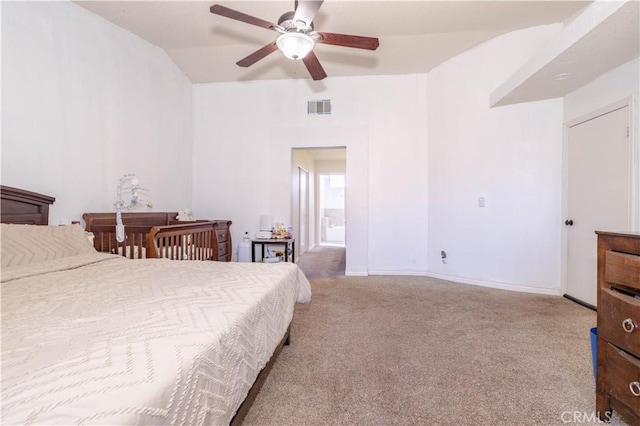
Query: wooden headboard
[[20, 206]]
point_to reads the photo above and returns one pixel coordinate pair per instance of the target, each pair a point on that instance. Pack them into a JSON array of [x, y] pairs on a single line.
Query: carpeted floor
[[323, 261], [386, 350]]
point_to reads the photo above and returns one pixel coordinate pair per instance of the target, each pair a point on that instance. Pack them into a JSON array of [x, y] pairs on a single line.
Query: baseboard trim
[[495, 284], [356, 274], [580, 302], [404, 273]]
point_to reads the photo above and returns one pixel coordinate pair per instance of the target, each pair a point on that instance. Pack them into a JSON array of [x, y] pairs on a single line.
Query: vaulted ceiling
[[415, 36]]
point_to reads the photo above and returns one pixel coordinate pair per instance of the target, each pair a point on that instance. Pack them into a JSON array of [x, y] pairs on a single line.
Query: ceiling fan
[[297, 36]]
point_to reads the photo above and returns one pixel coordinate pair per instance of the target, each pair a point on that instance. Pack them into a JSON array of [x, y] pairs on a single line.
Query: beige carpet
[[414, 350], [323, 261]]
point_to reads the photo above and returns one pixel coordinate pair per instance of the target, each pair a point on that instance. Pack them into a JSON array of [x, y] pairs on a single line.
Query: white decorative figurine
[[185, 215]]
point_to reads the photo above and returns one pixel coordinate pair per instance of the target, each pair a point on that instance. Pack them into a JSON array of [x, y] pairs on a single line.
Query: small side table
[[275, 241]]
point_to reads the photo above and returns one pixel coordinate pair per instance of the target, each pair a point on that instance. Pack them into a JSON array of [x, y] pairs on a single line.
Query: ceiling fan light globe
[[295, 45]]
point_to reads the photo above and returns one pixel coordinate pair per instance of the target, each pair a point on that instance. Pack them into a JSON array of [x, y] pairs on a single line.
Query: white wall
[[511, 156], [331, 166], [244, 132], [84, 102], [619, 84]]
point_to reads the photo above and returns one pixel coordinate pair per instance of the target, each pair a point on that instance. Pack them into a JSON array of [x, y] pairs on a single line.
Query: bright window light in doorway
[[336, 181], [331, 209]]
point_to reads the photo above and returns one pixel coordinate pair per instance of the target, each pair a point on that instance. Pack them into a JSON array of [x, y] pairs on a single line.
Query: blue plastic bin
[[594, 351]]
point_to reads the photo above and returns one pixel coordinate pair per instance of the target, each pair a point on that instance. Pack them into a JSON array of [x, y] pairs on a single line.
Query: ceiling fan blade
[[313, 65], [306, 10], [345, 40], [239, 16], [257, 55]]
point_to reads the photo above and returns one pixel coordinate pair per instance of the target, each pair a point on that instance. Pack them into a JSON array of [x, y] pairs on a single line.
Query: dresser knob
[[628, 325], [634, 387]]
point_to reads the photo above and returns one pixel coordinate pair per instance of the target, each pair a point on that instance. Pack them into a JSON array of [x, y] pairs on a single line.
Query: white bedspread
[[105, 340]]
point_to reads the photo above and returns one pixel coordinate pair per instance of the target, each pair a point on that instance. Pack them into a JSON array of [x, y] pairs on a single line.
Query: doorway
[[598, 194], [308, 165]]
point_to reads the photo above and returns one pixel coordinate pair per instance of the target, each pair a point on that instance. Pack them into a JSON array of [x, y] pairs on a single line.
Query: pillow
[[30, 244]]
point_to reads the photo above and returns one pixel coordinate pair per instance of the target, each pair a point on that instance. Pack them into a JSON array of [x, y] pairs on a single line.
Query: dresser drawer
[[619, 320], [223, 239], [623, 377], [222, 250], [223, 234], [622, 269]]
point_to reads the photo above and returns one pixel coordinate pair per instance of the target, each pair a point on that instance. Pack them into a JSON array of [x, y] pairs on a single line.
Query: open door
[[303, 211]]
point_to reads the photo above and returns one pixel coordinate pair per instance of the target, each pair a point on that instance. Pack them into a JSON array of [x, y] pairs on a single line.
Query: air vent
[[319, 107]]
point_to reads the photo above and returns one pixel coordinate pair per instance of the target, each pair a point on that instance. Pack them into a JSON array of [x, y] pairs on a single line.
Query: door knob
[[568, 222]]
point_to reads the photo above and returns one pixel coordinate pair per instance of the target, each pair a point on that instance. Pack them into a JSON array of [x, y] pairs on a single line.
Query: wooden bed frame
[[24, 207]]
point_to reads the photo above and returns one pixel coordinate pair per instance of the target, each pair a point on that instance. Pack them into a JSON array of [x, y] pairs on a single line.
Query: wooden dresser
[[618, 370], [223, 234]]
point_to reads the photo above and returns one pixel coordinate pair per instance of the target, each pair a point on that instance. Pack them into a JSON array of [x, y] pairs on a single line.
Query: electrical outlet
[[443, 255]]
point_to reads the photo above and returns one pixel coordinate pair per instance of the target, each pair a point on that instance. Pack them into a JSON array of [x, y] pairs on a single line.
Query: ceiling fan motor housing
[[288, 24]]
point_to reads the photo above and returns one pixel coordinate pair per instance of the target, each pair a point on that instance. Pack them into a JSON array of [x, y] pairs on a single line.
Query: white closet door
[[598, 194]]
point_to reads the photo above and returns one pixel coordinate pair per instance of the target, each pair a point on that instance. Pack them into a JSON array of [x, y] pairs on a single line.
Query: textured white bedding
[[99, 339]]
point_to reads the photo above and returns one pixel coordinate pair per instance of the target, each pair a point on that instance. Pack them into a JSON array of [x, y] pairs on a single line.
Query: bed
[[161, 235], [96, 338]]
